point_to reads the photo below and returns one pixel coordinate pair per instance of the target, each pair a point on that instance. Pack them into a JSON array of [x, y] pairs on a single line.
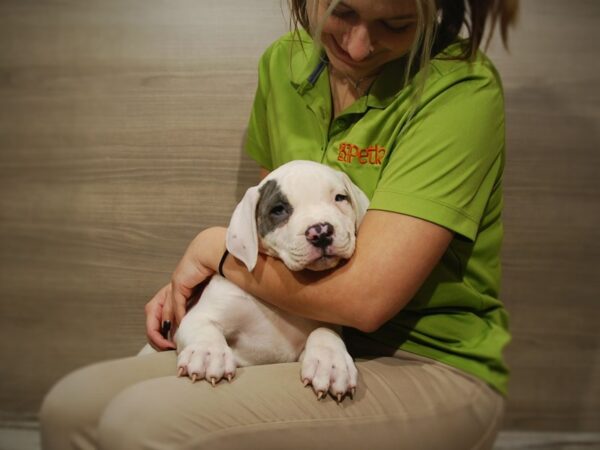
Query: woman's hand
[[154, 312], [200, 262]]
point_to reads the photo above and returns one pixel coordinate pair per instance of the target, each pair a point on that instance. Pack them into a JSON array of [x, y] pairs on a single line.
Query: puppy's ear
[[358, 199], [242, 236]]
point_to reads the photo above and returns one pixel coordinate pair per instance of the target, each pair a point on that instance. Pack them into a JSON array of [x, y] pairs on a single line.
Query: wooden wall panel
[[121, 130], [121, 127], [552, 215]]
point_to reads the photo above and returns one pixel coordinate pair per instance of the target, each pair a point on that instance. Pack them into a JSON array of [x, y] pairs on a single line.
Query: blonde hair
[[439, 22]]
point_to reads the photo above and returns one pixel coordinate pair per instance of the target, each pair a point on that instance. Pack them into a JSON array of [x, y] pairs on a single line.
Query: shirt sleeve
[[450, 157], [257, 137]]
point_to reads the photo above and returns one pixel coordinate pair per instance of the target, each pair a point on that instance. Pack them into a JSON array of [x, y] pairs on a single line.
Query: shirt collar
[[307, 64], [385, 87], [310, 62]]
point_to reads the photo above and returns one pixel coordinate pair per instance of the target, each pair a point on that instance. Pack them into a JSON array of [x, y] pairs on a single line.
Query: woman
[[386, 92]]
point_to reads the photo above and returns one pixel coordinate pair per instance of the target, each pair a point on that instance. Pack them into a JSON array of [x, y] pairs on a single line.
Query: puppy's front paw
[[329, 368], [207, 360]]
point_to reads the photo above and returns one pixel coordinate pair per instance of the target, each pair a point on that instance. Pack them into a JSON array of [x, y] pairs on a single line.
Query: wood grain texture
[[552, 215], [121, 130]]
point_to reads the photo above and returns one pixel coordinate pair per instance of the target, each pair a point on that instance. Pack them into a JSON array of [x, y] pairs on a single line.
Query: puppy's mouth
[[324, 258], [323, 262]]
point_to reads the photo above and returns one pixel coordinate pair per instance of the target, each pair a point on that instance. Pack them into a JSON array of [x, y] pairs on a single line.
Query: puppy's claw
[[212, 381], [194, 377], [229, 377], [320, 395], [353, 392], [180, 371], [339, 398], [306, 382]]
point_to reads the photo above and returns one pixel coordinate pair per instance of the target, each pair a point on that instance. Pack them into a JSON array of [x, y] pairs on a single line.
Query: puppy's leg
[[203, 351], [327, 365]]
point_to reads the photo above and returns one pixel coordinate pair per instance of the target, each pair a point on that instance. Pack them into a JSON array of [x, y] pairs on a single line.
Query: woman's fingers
[[190, 272], [156, 340], [166, 310], [154, 326], [179, 297], [167, 313], [188, 275]]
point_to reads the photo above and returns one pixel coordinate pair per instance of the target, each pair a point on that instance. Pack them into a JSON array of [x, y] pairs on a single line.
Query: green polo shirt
[[440, 161]]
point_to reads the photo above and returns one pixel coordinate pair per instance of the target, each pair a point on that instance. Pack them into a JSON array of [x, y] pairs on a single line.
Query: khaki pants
[[402, 402]]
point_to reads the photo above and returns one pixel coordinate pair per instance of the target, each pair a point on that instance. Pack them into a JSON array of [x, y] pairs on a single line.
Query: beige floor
[[25, 437]]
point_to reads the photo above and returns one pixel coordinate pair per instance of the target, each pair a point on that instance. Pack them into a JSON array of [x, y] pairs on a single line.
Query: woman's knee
[[171, 412], [69, 412], [72, 408], [136, 417]]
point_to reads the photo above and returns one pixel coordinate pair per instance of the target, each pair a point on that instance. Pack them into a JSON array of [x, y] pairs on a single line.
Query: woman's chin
[[342, 62]]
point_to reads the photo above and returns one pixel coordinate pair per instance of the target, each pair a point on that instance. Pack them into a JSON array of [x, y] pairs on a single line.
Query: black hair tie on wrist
[[223, 258]]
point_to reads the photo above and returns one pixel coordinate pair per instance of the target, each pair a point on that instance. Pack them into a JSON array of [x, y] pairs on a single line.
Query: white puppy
[[307, 215]]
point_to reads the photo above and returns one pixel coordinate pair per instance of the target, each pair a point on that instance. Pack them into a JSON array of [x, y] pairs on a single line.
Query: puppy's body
[[307, 215], [256, 332]]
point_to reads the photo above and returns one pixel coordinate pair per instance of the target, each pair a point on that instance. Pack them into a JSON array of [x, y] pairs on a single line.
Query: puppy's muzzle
[[320, 234]]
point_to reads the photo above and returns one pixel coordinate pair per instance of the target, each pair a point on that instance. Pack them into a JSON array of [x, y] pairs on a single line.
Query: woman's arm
[[394, 255]]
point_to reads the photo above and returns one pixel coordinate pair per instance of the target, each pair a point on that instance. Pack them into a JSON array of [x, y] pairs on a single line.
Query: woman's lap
[[139, 403], [70, 412]]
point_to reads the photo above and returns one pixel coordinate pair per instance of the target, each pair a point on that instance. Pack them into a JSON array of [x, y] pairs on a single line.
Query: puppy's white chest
[[256, 332]]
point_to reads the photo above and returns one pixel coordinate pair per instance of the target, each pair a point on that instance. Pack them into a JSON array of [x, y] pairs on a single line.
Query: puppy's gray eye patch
[[273, 209]]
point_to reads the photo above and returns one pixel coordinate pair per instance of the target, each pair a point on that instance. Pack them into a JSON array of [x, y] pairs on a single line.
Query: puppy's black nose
[[320, 234]]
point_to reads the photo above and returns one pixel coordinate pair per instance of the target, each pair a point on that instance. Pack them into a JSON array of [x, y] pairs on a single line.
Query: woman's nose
[[357, 42]]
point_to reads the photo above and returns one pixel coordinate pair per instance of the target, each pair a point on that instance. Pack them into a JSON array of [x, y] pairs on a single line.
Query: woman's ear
[[242, 235]]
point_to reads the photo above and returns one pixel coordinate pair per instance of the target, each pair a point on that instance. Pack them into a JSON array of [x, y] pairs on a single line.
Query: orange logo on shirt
[[371, 155]]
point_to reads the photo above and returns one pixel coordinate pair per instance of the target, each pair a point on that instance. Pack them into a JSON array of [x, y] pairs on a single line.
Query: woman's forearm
[[394, 255], [316, 295], [333, 296]]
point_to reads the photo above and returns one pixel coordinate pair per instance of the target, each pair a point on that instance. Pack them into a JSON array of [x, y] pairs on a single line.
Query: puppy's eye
[[341, 198], [277, 210]]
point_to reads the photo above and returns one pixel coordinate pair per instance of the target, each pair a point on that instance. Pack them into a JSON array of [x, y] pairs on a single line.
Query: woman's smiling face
[[360, 36]]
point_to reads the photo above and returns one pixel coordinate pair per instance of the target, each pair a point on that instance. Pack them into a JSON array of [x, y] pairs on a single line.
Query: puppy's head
[[304, 213]]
